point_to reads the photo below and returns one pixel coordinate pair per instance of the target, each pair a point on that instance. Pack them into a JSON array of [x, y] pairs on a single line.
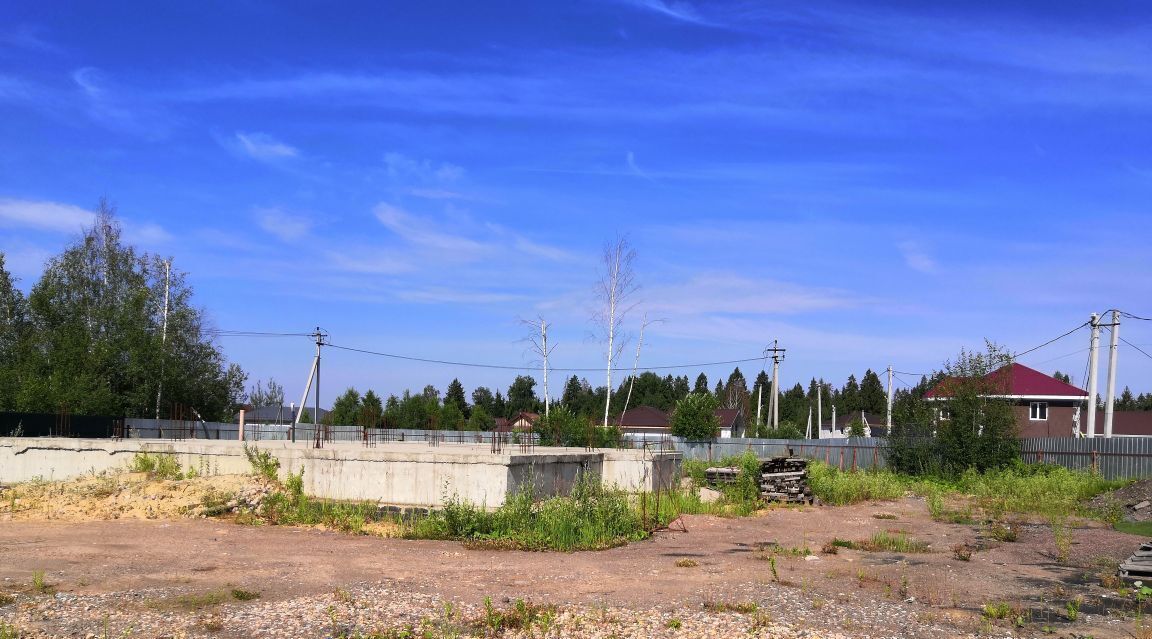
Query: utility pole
[[320, 337], [163, 335], [1094, 346], [760, 391], [776, 357], [808, 431], [1111, 396], [819, 405], [544, 343], [889, 399]]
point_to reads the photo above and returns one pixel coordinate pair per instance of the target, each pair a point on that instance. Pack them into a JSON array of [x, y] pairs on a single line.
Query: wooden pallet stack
[[782, 479], [1138, 567]]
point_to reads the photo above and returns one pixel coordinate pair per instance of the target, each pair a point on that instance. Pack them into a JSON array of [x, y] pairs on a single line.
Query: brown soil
[[887, 593]]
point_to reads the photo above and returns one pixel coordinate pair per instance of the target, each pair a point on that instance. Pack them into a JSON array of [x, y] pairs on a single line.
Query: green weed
[[262, 462], [40, 585], [742, 607], [9, 631], [997, 610], [892, 542], [240, 594], [158, 466]]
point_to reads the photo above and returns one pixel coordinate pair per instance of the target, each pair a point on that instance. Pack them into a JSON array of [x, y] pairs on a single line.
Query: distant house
[[644, 420], [648, 420], [874, 425], [275, 415], [523, 421], [731, 422], [502, 425], [1044, 406]]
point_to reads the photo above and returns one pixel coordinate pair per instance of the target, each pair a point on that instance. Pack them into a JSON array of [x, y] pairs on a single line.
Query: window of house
[[1038, 411], [943, 414]]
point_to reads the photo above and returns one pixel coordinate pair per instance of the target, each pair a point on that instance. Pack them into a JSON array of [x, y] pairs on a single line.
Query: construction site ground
[[175, 576]]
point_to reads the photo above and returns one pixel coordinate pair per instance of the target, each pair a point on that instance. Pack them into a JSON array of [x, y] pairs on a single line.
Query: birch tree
[[615, 292], [538, 343]]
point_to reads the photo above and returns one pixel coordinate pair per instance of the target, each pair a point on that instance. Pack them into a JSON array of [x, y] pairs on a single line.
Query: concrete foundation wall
[[407, 474]]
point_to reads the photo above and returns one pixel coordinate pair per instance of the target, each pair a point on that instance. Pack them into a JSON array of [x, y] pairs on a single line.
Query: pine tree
[[455, 395], [701, 384], [873, 397]]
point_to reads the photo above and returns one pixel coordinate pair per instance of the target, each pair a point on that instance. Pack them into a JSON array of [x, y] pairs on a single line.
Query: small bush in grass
[[6, 599], [742, 607], [240, 594], [673, 624], [9, 631], [158, 466], [1000, 532], [262, 462], [892, 542], [687, 563], [962, 552], [997, 610], [40, 585], [842, 543], [884, 516]]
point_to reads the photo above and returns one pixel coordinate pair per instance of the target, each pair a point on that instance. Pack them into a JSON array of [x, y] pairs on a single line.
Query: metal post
[[1111, 396], [889, 400], [1094, 346]]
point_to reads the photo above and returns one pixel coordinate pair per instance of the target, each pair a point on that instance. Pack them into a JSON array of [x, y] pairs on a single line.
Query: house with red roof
[[1044, 406]]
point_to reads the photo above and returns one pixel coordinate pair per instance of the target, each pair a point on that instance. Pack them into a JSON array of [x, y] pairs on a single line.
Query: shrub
[[262, 462], [158, 466]]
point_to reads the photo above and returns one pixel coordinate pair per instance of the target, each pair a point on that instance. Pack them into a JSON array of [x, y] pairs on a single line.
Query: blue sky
[[869, 183]]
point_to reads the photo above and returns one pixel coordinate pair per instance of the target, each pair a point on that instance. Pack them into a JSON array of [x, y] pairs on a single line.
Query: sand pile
[[123, 496]]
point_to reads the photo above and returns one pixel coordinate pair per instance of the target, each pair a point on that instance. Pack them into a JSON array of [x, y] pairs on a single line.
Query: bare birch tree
[[645, 323], [538, 344], [615, 291]]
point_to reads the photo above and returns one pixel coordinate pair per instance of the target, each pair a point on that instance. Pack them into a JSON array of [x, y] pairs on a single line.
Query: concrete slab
[[396, 473]]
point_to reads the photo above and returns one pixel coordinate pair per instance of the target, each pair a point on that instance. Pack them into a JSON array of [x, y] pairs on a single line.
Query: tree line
[[452, 410], [92, 336]]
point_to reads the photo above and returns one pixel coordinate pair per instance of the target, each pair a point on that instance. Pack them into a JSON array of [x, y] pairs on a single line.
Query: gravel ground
[[365, 609]]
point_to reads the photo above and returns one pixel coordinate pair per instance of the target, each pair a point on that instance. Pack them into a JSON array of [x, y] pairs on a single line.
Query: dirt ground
[[858, 592]]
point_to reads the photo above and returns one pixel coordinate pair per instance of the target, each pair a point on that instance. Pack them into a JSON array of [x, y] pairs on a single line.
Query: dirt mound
[[1135, 499], [123, 496]]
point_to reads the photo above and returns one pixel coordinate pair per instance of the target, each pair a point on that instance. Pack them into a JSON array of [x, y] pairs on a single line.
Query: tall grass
[[591, 517], [1023, 489]]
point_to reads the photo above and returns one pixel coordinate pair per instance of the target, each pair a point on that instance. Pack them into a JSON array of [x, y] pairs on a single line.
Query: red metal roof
[[1018, 379]]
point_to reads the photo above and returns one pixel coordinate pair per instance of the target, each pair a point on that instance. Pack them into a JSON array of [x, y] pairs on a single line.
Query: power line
[[1136, 347], [1075, 352], [1054, 339], [526, 368], [227, 333]]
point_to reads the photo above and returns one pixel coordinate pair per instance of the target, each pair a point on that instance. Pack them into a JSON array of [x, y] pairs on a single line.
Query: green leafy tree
[[786, 430], [14, 328], [695, 417], [451, 417], [346, 409], [482, 396], [305, 416], [980, 429], [856, 428], [1064, 377], [480, 419], [260, 396], [522, 396], [100, 344], [371, 410], [565, 428]]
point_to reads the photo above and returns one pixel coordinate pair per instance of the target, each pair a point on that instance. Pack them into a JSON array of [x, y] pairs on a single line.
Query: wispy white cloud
[[730, 293], [286, 226], [263, 147], [917, 258], [44, 216], [424, 233], [679, 10], [630, 162], [438, 194], [407, 169]]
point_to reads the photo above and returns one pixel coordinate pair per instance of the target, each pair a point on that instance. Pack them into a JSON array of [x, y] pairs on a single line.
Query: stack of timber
[[783, 479], [1138, 567]]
